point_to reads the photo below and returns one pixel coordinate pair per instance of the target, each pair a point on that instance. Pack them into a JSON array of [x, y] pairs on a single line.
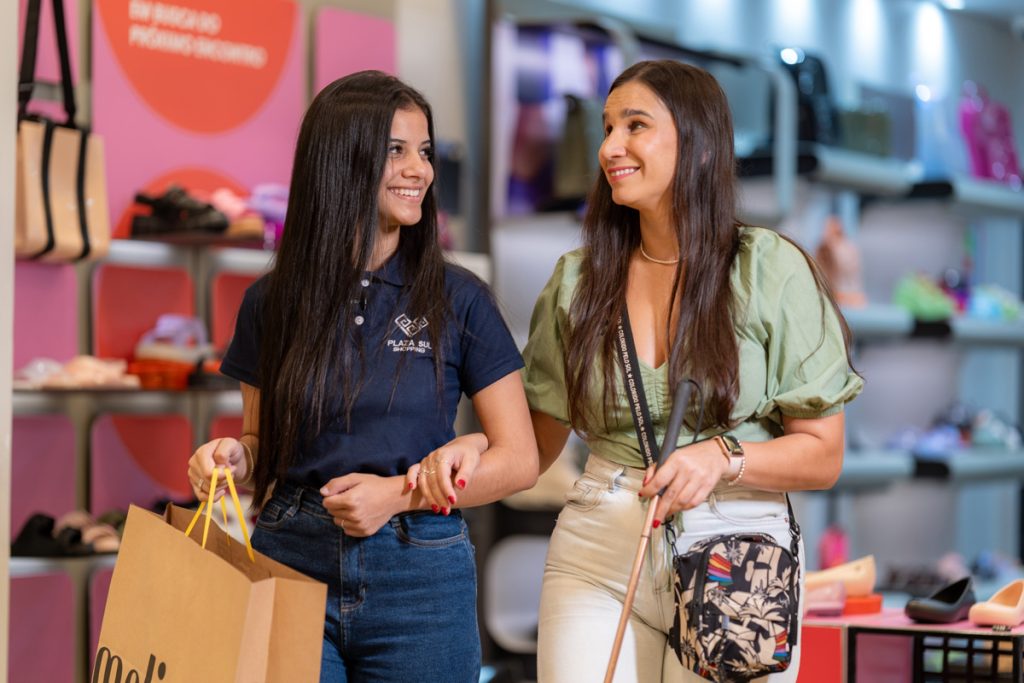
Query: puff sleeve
[[544, 375]]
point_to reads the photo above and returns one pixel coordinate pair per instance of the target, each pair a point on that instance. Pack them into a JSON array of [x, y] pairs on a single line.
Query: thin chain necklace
[[664, 262]]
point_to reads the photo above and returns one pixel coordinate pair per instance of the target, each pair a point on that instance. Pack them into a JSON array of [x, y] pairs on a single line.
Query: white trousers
[[588, 567]]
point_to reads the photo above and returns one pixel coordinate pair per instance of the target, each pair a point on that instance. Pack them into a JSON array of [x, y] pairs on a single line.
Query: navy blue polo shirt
[[393, 425]]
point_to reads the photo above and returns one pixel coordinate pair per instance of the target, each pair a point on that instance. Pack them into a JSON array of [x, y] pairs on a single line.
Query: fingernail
[[656, 523], [461, 483], [445, 511], [451, 499], [434, 508], [409, 487], [323, 491], [640, 494]]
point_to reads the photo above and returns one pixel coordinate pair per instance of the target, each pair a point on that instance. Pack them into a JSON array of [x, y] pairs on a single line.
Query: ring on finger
[[427, 472]]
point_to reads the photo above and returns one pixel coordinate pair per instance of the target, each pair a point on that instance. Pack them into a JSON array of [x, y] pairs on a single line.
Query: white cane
[[675, 421]]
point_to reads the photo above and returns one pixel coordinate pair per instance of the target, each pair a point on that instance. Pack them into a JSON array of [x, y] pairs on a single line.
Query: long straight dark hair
[[306, 355], [703, 343]]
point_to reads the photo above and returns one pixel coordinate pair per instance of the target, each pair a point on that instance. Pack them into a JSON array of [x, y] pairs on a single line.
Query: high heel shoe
[[1005, 608], [826, 600], [947, 605], [858, 577]]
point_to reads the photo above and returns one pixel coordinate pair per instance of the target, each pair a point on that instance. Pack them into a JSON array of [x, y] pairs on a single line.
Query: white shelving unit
[[884, 489]]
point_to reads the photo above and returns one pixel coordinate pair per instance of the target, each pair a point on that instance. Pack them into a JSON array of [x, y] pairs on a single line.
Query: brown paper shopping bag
[[179, 612]]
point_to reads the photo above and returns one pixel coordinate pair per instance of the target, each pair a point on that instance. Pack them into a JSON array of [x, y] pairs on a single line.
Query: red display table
[[890, 648]]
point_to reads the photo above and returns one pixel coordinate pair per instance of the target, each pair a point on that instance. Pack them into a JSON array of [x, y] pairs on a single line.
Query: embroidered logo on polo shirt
[[409, 326]]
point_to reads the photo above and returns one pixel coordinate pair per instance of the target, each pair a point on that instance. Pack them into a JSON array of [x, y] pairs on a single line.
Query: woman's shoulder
[[463, 286], [568, 267], [256, 291], [767, 259], [767, 248]]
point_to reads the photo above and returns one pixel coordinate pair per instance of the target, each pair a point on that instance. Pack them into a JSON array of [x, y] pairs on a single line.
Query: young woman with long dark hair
[[352, 353], [740, 310]]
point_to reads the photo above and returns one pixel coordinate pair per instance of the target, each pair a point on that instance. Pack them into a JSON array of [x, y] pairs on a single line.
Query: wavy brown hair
[[703, 342]]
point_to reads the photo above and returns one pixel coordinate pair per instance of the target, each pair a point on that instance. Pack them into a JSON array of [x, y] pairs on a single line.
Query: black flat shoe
[[949, 604]]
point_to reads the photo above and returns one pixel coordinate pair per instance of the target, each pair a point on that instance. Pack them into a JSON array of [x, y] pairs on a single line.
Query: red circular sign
[[205, 65]]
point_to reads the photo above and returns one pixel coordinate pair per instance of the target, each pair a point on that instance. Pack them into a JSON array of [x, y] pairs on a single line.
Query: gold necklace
[[664, 262]]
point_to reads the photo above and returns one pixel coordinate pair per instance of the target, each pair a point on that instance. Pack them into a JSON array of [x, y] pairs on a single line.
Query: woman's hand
[[362, 503], [228, 453], [688, 476], [443, 470]]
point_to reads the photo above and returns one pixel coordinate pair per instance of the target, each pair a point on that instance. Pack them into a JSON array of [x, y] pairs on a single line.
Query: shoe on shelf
[[97, 536], [1005, 608], [858, 577], [36, 538], [949, 604], [826, 600]]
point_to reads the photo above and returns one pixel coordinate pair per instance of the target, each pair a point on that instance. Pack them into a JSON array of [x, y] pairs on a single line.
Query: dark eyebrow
[[428, 141], [626, 113]]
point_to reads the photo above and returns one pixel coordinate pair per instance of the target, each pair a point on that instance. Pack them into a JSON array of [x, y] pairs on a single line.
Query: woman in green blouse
[[740, 310]]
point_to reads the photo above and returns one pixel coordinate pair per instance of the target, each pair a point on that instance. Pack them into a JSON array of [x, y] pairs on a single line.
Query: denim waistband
[[631, 478], [309, 500]]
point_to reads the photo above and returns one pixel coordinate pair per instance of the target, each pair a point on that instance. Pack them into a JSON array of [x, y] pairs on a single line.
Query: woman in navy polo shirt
[[352, 355]]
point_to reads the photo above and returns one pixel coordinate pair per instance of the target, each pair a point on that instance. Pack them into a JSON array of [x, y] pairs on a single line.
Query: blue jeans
[[401, 604]]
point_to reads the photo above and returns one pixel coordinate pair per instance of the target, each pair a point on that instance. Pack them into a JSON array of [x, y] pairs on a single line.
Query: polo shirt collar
[[392, 271]]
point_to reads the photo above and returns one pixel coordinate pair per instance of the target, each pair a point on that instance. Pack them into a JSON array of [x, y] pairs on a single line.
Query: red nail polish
[[434, 508], [451, 499], [640, 494], [409, 487], [656, 523], [445, 511], [461, 483]]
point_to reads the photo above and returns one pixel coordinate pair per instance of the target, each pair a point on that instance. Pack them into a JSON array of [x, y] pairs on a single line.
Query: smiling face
[[640, 149], [408, 172]]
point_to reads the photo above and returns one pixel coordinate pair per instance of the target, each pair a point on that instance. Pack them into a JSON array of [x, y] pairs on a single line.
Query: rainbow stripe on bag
[[781, 645], [719, 569]]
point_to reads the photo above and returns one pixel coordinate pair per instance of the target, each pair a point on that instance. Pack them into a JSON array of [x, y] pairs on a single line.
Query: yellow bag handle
[[223, 509]]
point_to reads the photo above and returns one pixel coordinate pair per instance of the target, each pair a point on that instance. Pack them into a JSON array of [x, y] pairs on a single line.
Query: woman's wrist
[[250, 461]]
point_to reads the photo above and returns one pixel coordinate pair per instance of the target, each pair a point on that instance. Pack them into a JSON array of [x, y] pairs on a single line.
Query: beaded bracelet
[[743, 468]]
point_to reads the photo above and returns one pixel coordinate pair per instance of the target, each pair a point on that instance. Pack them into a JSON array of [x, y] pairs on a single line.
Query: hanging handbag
[[61, 208], [736, 595]]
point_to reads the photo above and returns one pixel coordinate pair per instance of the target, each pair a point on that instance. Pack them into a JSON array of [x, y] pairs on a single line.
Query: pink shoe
[[858, 577], [1005, 608], [826, 600]]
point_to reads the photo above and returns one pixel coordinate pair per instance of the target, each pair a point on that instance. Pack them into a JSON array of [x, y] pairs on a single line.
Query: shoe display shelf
[[113, 312], [904, 223]]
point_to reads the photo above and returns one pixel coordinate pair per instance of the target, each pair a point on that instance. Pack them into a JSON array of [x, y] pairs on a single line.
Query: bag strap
[[635, 390], [223, 509], [27, 75]]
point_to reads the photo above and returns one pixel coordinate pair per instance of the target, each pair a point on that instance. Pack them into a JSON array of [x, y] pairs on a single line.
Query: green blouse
[[790, 364]]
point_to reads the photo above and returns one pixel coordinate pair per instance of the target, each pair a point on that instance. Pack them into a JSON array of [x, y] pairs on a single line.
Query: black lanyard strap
[[635, 389]]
